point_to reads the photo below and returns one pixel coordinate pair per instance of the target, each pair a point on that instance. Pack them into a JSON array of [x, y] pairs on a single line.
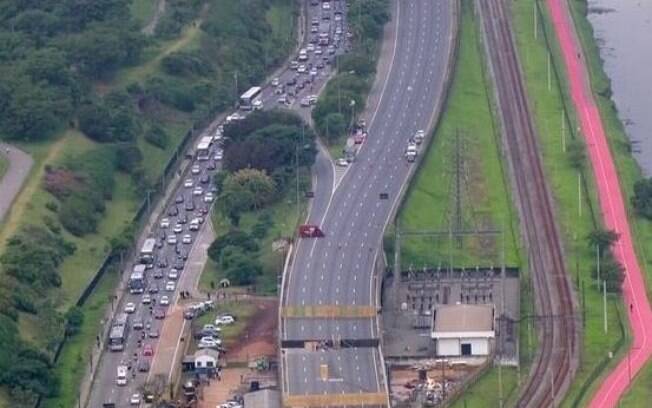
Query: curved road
[[339, 270], [613, 208], [10, 184]]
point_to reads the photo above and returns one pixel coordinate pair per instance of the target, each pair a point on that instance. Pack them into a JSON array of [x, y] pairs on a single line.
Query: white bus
[[137, 281], [147, 252], [119, 332], [247, 98], [203, 148]]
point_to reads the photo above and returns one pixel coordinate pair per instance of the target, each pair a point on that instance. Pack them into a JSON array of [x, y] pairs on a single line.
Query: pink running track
[[613, 211]]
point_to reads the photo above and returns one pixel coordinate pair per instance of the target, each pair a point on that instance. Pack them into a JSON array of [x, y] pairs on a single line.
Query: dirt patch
[[258, 337]]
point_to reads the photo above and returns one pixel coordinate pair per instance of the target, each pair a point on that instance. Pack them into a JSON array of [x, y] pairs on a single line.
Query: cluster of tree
[[345, 94], [611, 271], [261, 154], [82, 184], [50, 50], [234, 253], [110, 119], [642, 199], [177, 14]]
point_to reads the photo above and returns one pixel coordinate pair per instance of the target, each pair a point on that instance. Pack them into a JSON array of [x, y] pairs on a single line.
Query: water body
[[623, 29]]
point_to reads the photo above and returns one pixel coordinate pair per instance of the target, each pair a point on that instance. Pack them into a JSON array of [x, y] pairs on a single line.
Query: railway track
[[556, 360]]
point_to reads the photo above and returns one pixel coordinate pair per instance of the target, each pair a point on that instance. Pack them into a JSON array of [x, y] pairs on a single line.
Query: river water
[[623, 29]]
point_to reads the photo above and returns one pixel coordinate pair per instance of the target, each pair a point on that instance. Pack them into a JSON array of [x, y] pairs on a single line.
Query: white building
[[206, 360], [463, 330]]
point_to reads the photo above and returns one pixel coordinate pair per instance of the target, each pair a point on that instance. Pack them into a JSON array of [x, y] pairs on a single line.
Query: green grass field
[[242, 311], [486, 198], [485, 392], [628, 171], [563, 180]]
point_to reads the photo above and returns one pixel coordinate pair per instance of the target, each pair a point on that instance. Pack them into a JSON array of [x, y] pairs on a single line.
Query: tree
[[95, 122], [74, 320], [255, 184], [576, 154], [239, 267], [156, 136], [233, 238], [642, 199], [602, 239]]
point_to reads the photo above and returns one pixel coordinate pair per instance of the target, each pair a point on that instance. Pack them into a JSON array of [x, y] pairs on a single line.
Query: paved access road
[[613, 209], [10, 184], [338, 269]]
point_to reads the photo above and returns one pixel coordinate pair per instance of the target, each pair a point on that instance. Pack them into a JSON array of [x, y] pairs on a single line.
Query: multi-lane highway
[[320, 60], [338, 270]]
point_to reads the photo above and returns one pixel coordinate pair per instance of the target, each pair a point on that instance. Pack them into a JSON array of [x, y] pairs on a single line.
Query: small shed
[[206, 361], [463, 330], [265, 398]]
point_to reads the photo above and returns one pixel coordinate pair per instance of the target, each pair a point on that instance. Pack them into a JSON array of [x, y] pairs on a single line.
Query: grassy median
[[577, 216]]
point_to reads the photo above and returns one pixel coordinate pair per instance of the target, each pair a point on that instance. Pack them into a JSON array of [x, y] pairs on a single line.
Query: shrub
[[156, 136]]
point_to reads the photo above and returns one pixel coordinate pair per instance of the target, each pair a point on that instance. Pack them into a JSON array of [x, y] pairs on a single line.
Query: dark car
[[173, 211], [183, 255], [143, 365], [162, 263], [190, 206], [159, 313], [153, 289], [211, 165], [179, 199], [153, 333], [179, 265], [158, 274], [182, 219], [205, 179], [189, 314], [291, 81]]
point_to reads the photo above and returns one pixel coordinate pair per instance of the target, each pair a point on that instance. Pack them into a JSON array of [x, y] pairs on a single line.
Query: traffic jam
[[153, 284]]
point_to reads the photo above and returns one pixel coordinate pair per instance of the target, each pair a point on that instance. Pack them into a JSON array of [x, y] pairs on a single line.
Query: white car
[[209, 327], [313, 72], [170, 286], [165, 223], [198, 191], [342, 162], [326, 6], [208, 342], [209, 339], [276, 82], [194, 224], [208, 198], [147, 299], [172, 239], [173, 274], [188, 183], [310, 47], [219, 155], [226, 319], [164, 301], [130, 307], [187, 239], [135, 399], [178, 229], [195, 169], [301, 69], [319, 51]]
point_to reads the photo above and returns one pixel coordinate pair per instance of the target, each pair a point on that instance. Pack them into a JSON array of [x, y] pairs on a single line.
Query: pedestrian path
[[613, 210]]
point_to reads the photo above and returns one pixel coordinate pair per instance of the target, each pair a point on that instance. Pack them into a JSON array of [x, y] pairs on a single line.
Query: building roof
[[464, 318], [262, 399], [207, 353]]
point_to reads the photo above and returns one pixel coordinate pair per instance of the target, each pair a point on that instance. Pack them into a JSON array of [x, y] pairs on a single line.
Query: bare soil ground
[[259, 337]]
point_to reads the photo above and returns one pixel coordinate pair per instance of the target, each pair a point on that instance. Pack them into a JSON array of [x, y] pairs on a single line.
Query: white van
[[121, 379]]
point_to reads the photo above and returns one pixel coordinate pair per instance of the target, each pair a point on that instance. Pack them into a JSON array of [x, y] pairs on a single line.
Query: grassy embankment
[[628, 171], [4, 164], [486, 196], [548, 104]]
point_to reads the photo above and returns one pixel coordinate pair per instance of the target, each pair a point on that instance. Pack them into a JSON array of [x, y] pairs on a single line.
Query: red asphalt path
[[613, 211]]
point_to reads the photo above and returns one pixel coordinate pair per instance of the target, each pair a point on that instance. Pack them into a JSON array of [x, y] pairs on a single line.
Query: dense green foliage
[[642, 199], [610, 270], [50, 50], [232, 252], [344, 96]]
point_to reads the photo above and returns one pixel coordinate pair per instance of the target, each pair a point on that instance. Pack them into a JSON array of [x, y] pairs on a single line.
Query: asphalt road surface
[[104, 388], [10, 184], [338, 269]]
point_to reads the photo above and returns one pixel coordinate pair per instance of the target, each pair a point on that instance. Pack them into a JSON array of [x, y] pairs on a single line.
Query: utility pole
[[604, 305], [458, 191], [397, 264], [597, 264]]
